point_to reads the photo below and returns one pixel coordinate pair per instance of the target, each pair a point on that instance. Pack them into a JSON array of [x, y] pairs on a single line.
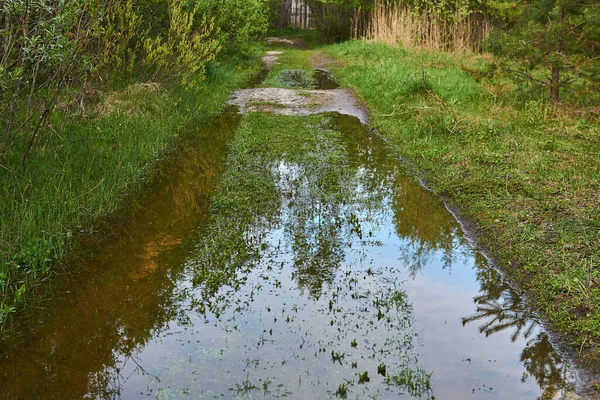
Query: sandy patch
[[295, 43]]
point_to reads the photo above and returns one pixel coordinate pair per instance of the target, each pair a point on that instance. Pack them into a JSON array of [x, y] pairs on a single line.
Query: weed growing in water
[[364, 377], [244, 388], [342, 391], [337, 357], [416, 381]]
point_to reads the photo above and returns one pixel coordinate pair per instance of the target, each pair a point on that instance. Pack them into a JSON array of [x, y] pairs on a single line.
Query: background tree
[[551, 43]]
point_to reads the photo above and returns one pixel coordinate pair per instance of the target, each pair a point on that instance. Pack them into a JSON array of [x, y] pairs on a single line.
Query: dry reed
[[399, 24]]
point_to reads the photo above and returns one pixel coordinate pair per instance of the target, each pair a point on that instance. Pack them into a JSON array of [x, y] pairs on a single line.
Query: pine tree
[[551, 43]]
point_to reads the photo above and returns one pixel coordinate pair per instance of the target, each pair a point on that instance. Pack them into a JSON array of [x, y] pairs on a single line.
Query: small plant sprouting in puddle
[[245, 388], [266, 384], [337, 356], [416, 382], [342, 391], [354, 343], [381, 369], [364, 377]]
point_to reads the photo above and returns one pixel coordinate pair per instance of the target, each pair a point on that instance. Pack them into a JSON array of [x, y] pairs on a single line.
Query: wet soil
[[270, 58], [299, 102]]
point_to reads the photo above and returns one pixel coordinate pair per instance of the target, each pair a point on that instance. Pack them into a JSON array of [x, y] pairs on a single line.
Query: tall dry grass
[[399, 24]]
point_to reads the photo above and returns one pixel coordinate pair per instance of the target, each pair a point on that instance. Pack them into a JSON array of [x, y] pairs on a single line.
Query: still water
[[359, 284]]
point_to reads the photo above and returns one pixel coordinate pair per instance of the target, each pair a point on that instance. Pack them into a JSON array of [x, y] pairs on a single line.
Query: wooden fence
[[295, 13]]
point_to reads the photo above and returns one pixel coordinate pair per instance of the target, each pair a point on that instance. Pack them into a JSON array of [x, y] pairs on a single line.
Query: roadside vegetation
[[92, 94]]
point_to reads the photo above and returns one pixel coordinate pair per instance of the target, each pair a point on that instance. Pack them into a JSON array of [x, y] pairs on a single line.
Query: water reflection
[[499, 308], [332, 198], [545, 365], [429, 233]]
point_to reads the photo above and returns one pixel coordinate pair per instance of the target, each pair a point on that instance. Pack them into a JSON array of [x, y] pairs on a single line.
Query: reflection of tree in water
[[425, 225], [337, 190], [500, 308], [328, 193], [419, 216], [314, 228], [544, 363], [321, 216]]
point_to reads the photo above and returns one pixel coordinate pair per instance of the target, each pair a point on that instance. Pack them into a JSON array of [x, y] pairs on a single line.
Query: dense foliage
[[92, 93], [58, 49]]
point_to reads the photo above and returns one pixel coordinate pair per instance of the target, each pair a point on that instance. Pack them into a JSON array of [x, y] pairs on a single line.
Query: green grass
[[527, 174], [84, 166]]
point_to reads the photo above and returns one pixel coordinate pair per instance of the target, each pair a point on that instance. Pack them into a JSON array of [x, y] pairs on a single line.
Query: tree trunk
[[555, 84], [285, 13]]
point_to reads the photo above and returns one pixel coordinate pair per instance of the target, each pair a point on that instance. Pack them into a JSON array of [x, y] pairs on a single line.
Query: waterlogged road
[[306, 265]]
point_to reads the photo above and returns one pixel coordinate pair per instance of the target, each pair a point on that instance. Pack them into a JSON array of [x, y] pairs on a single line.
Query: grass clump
[[525, 172], [293, 69], [295, 78]]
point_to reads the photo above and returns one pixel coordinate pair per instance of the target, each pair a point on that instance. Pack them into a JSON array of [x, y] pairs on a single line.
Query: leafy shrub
[[239, 22]]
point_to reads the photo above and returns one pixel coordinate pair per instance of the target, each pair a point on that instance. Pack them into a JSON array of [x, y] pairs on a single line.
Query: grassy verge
[[527, 174], [84, 166]]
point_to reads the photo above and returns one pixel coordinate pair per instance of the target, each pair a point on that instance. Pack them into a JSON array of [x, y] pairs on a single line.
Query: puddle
[[351, 282], [347, 280], [324, 80], [301, 79], [295, 78]]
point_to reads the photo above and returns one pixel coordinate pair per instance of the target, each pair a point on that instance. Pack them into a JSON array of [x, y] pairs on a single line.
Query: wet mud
[[283, 101]]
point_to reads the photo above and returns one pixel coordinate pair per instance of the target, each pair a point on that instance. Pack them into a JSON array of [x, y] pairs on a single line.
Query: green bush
[[240, 22]]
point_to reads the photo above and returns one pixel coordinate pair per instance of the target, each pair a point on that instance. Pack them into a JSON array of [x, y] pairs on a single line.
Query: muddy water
[[364, 289], [324, 80]]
